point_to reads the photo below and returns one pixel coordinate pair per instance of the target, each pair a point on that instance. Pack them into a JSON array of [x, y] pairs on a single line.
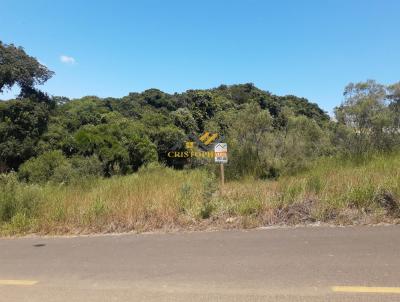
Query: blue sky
[[306, 48]]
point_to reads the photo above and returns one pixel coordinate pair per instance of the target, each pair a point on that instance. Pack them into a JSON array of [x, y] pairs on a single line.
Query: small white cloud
[[67, 59]]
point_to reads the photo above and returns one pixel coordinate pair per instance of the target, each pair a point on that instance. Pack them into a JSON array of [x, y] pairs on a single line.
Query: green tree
[[365, 110], [248, 138], [120, 146], [394, 97], [183, 119], [16, 67], [303, 141], [259, 149], [167, 138], [22, 122]]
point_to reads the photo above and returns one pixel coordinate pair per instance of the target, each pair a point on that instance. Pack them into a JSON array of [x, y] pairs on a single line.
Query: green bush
[[86, 166], [43, 168], [15, 198], [8, 193], [206, 210], [55, 167]]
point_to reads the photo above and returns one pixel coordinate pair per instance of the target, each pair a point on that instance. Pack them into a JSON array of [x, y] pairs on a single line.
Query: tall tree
[[365, 110], [22, 121], [16, 67]]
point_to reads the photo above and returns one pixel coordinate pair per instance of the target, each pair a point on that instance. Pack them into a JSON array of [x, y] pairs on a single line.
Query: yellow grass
[[161, 198]]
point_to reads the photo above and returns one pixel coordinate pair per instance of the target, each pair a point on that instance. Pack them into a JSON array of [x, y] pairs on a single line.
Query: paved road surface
[[304, 264]]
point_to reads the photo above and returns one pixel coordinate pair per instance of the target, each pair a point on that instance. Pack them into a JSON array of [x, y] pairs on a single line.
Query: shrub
[[206, 210], [20, 223], [42, 168], [361, 195], [86, 166], [55, 167], [8, 192], [15, 198]]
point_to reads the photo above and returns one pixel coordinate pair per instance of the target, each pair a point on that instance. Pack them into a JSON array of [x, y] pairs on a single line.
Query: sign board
[[221, 153]]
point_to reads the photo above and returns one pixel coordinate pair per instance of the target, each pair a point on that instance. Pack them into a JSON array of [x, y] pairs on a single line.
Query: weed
[[248, 207], [158, 197]]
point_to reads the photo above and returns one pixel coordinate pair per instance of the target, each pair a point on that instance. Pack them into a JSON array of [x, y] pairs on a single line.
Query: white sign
[[221, 153]]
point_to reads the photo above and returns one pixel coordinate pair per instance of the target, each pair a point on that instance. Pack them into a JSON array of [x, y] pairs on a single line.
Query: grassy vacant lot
[[158, 198]]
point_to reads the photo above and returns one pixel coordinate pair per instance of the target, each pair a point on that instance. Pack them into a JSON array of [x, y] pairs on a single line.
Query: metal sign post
[[221, 157], [222, 174]]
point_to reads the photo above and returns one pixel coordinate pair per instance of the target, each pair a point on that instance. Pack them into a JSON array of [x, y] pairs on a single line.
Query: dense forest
[[51, 138]]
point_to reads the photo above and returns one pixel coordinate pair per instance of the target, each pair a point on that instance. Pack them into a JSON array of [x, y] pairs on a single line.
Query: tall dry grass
[[157, 198], [333, 190]]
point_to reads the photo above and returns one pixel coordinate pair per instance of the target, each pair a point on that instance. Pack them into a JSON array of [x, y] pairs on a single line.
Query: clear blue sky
[[306, 48]]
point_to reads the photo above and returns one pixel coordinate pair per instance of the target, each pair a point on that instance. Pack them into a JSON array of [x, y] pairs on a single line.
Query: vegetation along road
[[98, 165]]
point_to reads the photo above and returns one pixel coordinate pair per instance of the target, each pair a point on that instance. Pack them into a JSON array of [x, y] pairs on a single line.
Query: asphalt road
[[302, 264]]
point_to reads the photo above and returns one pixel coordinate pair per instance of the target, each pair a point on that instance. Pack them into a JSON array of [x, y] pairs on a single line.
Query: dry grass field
[[162, 199]]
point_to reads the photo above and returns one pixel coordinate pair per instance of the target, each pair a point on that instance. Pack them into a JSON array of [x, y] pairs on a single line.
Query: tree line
[[51, 138]]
